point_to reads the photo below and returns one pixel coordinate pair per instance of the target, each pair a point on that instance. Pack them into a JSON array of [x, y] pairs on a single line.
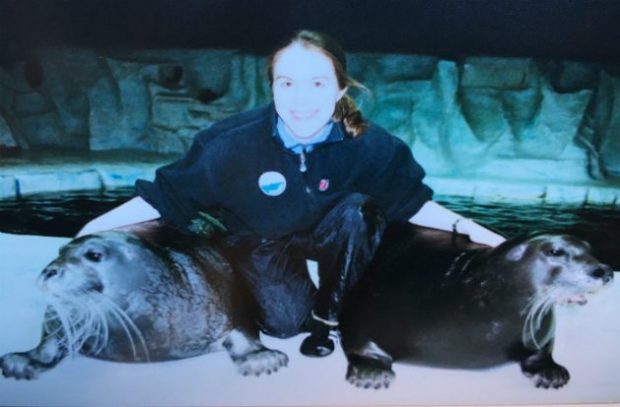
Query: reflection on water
[[599, 225], [64, 214], [57, 214]]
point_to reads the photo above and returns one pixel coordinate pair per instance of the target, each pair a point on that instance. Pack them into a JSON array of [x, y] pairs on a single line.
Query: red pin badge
[[323, 184]]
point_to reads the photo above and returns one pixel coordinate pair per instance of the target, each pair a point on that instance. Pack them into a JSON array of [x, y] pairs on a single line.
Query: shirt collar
[[331, 133], [292, 143]]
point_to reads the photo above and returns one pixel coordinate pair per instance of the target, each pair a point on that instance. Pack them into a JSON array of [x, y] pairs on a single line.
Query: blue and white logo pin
[[272, 183]]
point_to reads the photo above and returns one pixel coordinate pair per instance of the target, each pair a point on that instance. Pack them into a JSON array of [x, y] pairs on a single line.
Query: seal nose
[[50, 272], [603, 272]]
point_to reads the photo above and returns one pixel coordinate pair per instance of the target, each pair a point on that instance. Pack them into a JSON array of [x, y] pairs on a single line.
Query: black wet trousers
[[342, 243]]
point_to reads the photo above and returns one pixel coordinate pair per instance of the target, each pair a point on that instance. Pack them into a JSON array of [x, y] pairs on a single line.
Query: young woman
[[302, 178]]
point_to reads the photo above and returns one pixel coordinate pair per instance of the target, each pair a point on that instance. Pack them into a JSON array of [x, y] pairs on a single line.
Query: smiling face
[[305, 90]]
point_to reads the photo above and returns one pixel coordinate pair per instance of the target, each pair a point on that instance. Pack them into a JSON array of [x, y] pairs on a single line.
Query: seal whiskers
[[72, 333], [101, 340], [128, 326], [535, 312], [85, 316]]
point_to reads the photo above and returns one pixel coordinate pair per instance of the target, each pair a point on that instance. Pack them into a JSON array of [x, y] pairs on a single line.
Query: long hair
[[346, 110]]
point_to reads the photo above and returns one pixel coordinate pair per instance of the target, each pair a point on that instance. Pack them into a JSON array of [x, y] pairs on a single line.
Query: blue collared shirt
[[291, 143]]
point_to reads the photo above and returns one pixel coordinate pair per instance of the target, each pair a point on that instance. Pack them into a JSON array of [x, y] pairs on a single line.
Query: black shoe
[[317, 345]]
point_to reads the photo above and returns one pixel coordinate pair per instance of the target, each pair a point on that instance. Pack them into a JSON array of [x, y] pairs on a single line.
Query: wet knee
[[281, 328]]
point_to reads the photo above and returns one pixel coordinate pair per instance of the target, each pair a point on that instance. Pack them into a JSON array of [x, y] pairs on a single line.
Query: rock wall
[[490, 117]]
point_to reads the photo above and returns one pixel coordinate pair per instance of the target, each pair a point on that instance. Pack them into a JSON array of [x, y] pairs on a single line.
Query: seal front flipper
[[28, 365], [251, 356], [370, 366], [543, 370]]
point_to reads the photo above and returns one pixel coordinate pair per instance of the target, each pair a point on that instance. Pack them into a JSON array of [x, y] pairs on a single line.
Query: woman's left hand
[[479, 234]]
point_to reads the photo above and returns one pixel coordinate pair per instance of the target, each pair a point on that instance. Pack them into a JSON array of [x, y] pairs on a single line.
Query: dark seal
[[435, 299], [139, 294]]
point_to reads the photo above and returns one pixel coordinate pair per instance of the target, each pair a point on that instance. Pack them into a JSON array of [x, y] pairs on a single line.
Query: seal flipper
[[370, 366], [536, 356], [543, 370], [242, 342], [28, 365], [251, 356]]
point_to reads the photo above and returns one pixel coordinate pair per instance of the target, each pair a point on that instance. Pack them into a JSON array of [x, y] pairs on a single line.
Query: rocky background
[[546, 122]]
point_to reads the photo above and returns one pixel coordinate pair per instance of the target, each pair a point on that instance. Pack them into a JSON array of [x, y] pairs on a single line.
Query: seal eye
[[93, 255], [555, 252]]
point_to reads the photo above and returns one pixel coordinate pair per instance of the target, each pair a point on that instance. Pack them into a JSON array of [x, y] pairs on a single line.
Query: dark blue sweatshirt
[[239, 171]]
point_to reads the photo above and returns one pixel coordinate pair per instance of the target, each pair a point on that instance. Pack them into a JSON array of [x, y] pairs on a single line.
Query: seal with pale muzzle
[[139, 294], [434, 299]]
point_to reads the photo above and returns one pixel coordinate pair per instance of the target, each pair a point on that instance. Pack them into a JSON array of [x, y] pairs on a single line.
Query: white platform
[[587, 343]]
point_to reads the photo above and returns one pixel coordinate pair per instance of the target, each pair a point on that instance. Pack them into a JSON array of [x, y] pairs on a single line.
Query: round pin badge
[[272, 183]]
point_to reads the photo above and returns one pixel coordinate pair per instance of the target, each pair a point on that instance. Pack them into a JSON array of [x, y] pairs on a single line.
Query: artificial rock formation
[[515, 118]]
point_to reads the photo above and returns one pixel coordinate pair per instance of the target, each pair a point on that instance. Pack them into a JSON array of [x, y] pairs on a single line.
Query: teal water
[[599, 225], [64, 214]]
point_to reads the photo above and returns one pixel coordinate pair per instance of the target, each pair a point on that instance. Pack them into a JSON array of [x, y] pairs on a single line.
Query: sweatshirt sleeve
[[398, 183], [180, 189]]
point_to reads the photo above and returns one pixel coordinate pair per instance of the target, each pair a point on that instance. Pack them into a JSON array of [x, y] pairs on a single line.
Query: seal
[[143, 293], [436, 299]]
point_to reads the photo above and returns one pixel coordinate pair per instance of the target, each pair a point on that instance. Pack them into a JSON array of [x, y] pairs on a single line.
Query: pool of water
[[63, 214], [57, 214], [599, 225]]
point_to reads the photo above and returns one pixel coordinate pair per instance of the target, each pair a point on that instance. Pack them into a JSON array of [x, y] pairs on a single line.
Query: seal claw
[[369, 375], [546, 374], [261, 361], [552, 377], [19, 366]]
